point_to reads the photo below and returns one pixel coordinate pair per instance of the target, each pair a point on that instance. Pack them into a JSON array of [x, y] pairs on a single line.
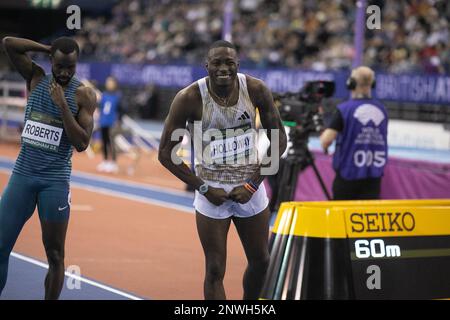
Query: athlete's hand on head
[[216, 196], [240, 194], [57, 94]]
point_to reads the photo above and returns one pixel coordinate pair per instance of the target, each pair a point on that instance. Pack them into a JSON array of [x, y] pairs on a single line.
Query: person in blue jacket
[[109, 114]]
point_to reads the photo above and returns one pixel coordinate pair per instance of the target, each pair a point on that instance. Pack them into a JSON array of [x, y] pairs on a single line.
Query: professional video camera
[[302, 113], [302, 110]]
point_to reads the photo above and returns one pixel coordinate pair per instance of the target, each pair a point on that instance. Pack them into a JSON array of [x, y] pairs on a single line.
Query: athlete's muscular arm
[[79, 129], [16, 49], [183, 109], [261, 98]]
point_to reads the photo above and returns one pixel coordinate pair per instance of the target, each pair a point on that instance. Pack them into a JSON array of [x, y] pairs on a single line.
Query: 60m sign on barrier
[[375, 248], [360, 250]]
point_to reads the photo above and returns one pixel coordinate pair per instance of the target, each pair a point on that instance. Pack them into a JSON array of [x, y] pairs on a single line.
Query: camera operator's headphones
[[351, 83]]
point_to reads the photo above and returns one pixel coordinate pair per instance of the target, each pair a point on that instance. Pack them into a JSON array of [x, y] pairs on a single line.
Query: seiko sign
[[382, 222]]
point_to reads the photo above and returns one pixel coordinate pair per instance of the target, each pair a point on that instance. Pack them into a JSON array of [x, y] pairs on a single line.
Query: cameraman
[[359, 127]]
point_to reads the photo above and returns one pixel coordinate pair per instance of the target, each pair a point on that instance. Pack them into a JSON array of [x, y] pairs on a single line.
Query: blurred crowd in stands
[[311, 34]]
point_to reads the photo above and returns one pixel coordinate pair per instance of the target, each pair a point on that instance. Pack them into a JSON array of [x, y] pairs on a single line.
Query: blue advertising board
[[433, 89]]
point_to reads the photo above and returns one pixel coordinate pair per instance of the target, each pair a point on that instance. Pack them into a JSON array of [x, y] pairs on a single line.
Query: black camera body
[[302, 111]]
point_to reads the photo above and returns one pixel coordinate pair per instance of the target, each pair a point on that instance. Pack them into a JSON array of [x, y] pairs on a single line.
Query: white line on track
[[70, 275], [125, 182], [127, 196], [81, 207], [116, 180]]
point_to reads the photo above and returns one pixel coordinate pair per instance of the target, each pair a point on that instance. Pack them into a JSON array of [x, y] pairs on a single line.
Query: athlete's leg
[[254, 234], [54, 236], [213, 236], [54, 209], [16, 207]]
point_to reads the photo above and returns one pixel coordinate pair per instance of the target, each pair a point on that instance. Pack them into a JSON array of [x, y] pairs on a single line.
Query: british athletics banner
[[433, 89]]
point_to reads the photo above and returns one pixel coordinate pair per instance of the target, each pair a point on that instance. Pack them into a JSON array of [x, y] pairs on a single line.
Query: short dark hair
[[222, 44], [66, 45]]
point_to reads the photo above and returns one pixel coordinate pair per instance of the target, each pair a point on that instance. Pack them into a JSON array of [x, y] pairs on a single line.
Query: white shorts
[[257, 203]]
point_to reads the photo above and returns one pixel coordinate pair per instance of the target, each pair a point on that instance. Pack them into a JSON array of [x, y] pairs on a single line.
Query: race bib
[[43, 132], [233, 144]]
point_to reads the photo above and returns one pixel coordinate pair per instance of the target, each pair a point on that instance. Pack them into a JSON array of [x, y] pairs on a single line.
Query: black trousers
[[363, 189], [109, 151]]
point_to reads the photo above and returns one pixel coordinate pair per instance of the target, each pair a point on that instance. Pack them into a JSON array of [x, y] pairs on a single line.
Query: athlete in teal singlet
[[58, 117]]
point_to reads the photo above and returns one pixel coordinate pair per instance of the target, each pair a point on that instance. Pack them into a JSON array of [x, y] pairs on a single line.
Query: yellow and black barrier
[[391, 249]]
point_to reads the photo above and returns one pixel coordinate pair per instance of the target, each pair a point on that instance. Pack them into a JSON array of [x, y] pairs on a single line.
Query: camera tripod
[[298, 159]]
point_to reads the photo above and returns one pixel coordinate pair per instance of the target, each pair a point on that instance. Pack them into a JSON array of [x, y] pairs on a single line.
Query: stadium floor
[[135, 237]]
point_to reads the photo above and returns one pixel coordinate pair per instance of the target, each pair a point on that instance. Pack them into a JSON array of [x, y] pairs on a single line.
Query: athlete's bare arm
[[16, 49], [87, 104], [79, 128], [261, 98], [186, 106]]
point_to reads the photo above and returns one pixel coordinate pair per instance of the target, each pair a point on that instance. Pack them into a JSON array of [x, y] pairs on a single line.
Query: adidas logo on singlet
[[244, 116]]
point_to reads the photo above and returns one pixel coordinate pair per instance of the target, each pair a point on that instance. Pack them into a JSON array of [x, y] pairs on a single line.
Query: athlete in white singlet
[[228, 176]]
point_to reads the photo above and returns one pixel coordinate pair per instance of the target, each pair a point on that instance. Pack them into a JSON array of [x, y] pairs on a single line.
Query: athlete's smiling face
[[222, 65], [64, 66]]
